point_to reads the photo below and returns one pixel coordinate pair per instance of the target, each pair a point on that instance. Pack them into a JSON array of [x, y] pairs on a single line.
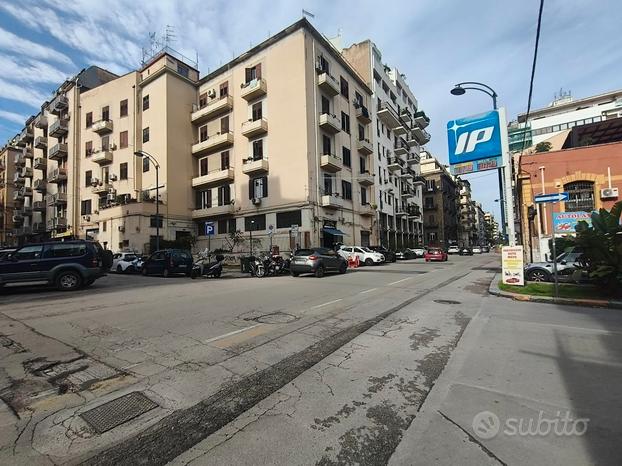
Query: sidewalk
[[518, 368]]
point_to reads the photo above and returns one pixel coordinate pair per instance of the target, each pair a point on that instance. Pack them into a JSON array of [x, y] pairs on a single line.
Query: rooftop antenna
[[307, 13], [169, 35]]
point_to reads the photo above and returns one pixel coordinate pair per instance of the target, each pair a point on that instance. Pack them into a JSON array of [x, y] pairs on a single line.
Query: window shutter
[[248, 74], [258, 71], [198, 199], [221, 196], [265, 186], [227, 194], [251, 185]]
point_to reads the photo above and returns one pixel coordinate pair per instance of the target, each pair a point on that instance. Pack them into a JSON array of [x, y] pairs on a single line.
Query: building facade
[[480, 224], [9, 217], [399, 132], [441, 196], [468, 227]]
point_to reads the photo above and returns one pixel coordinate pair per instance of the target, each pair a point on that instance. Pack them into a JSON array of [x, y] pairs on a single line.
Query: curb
[[603, 303]]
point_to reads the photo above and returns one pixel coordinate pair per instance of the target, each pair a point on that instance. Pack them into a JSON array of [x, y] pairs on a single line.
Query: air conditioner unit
[[121, 228], [256, 200], [112, 147], [608, 193], [211, 93], [113, 177]]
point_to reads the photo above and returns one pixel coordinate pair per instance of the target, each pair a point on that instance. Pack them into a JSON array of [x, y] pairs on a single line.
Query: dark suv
[[317, 261], [67, 265], [167, 262], [389, 256]]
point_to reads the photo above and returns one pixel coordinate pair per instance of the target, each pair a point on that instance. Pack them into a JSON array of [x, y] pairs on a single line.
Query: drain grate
[[446, 301], [118, 411]]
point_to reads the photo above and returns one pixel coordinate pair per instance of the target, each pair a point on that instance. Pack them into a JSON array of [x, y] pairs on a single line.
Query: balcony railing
[[213, 211], [362, 113], [59, 104], [39, 206], [57, 175], [421, 120], [421, 135], [364, 146], [102, 126], [328, 84], [212, 109], [213, 143], [255, 167], [40, 185], [41, 121], [59, 128], [27, 153], [252, 128], [330, 123], [331, 201], [254, 89], [58, 151], [41, 142], [388, 115], [215, 177], [25, 136], [401, 147], [38, 227], [102, 157], [57, 223], [394, 164], [19, 160], [40, 163], [330, 163], [366, 179]]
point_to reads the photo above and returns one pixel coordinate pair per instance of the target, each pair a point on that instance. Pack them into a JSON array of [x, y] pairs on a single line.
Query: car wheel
[[68, 281], [194, 274], [119, 269], [538, 276], [165, 273], [369, 261], [293, 274], [343, 268], [319, 272]]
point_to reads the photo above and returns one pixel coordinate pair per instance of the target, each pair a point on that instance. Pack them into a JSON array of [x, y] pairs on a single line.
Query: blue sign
[[566, 222], [475, 143], [539, 199], [209, 229]]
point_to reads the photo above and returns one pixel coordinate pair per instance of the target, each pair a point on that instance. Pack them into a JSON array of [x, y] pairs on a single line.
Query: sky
[[436, 43]]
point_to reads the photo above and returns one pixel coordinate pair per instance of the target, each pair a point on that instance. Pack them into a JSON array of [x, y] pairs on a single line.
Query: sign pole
[[507, 180], [554, 254]]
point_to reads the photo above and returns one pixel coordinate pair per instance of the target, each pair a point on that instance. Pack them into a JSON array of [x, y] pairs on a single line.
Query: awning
[[334, 231]]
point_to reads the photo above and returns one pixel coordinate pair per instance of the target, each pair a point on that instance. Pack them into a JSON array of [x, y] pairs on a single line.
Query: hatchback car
[[366, 256], [567, 263], [453, 250], [418, 251], [168, 262], [389, 256], [485, 249], [477, 250], [435, 254], [466, 251], [317, 261], [126, 262], [67, 265]]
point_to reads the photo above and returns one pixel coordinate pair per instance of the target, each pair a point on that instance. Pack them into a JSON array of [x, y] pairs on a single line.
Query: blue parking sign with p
[[209, 229]]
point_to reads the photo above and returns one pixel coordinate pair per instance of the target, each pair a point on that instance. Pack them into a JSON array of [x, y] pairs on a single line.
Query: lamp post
[[251, 235], [140, 154], [460, 89]]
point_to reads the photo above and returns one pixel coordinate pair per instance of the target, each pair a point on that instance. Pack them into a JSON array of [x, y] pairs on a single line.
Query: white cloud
[[30, 71], [12, 117], [26, 48], [24, 95]]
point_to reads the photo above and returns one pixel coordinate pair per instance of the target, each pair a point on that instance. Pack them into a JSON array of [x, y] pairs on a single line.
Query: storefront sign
[[512, 265], [566, 222]]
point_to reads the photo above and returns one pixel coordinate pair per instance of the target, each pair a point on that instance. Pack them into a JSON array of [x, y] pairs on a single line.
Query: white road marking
[[231, 333], [326, 304], [368, 291], [400, 281]]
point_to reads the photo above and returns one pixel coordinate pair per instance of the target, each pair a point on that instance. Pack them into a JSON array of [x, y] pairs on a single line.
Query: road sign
[[557, 197], [270, 230], [209, 229], [294, 229]]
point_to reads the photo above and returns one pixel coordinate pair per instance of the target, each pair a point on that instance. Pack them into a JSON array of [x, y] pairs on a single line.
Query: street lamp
[[460, 89], [140, 154], [251, 235]]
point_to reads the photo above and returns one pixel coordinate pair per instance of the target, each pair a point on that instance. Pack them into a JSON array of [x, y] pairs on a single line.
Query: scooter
[[203, 268]]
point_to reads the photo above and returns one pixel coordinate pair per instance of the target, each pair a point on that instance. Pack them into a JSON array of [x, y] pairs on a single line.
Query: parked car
[[366, 256], [567, 263], [405, 254], [67, 265], [477, 250], [168, 262], [418, 251], [6, 251], [389, 256], [317, 261], [453, 250], [466, 251], [126, 262], [485, 249], [435, 254]]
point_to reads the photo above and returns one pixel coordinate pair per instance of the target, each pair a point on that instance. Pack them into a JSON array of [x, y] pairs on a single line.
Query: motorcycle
[[264, 265], [204, 268]]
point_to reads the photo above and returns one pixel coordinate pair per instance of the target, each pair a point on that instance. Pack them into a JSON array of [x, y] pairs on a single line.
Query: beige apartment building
[[273, 143], [8, 155]]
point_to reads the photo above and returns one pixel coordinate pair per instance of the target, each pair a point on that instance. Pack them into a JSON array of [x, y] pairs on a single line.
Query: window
[[224, 160], [361, 132], [255, 223], [322, 64], [325, 105], [202, 100], [258, 188], [105, 222], [258, 149], [224, 125], [28, 253], [347, 159], [257, 111], [224, 89], [364, 196], [123, 171], [346, 189], [227, 225], [89, 119], [203, 166], [363, 165], [145, 134], [155, 220], [88, 177], [345, 122], [123, 108], [65, 250], [145, 102], [88, 148], [287, 219], [145, 164], [203, 133], [123, 141], [204, 199], [85, 207], [183, 70], [253, 73], [358, 98], [106, 113], [105, 142], [326, 145], [344, 87], [328, 184], [581, 196], [224, 195]]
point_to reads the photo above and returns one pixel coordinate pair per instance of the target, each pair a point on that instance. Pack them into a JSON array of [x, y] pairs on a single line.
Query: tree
[[544, 146], [234, 239]]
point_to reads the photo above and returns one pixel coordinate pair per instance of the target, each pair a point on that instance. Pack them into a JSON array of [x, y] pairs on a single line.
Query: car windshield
[[130, 257], [304, 252], [366, 249]]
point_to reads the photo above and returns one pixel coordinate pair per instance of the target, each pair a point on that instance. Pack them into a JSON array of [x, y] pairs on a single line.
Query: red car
[[435, 254]]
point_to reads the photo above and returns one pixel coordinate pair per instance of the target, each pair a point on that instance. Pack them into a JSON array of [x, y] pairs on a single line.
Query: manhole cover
[[116, 412], [446, 301], [276, 318]]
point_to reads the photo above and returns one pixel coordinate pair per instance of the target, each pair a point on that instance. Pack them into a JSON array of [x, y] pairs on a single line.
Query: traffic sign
[[270, 229], [209, 229], [557, 197]]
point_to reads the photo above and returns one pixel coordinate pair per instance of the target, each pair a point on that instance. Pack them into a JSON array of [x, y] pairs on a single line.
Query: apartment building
[[8, 156], [441, 195], [492, 227], [467, 230], [399, 132], [480, 224]]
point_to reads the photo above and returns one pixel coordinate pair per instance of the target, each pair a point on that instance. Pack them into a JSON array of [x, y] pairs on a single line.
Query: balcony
[[18, 217], [214, 178], [102, 126], [394, 164], [419, 180], [401, 147], [421, 135], [406, 175], [364, 146], [19, 160], [331, 201], [331, 163], [414, 212], [58, 151], [40, 163], [39, 206], [214, 211], [58, 199], [26, 211], [18, 195], [406, 116], [58, 175], [252, 128], [38, 227], [213, 108], [59, 128], [421, 120], [255, 167], [40, 186], [41, 121], [27, 153], [328, 84], [101, 188], [362, 114], [25, 136], [27, 172], [330, 123], [26, 191], [412, 159], [401, 213], [41, 142], [59, 104], [57, 223], [388, 115], [366, 179], [367, 211], [254, 89], [212, 143], [102, 157], [18, 179]]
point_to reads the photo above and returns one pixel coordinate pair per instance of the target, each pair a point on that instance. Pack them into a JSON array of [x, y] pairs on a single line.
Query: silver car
[[567, 264], [317, 261]]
